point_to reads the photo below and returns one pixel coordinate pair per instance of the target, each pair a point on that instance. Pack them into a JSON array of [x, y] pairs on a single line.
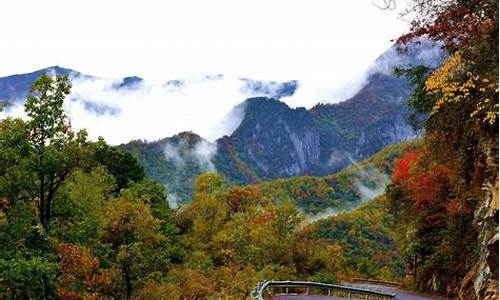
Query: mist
[[131, 108], [369, 183]]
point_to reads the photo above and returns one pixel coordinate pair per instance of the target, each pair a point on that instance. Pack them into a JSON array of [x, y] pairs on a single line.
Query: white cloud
[[325, 214], [325, 45], [201, 153], [154, 110], [379, 182], [173, 200]]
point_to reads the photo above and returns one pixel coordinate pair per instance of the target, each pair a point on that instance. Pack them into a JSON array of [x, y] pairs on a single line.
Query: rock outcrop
[[481, 282]]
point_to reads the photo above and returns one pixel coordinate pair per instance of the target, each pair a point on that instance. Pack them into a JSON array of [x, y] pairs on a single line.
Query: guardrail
[[381, 282], [342, 290]]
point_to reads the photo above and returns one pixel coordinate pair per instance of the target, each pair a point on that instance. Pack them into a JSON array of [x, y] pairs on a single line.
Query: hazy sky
[[272, 39], [325, 45]]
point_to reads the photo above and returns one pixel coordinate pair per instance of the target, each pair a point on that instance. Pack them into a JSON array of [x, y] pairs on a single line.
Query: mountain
[[16, 87], [174, 162], [272, 140], [275, 141], [339, 191]]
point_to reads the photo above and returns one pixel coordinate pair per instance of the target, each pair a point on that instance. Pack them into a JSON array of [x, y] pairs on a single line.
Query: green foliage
[[17, 181], [78, 207], [368, 237], [65, 229], [340, 190], [27, 278], [420, 102], [178, 177], [119, 163]]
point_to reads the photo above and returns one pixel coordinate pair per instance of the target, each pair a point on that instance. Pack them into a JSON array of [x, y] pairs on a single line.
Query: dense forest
[[447, 191], [80, 220]]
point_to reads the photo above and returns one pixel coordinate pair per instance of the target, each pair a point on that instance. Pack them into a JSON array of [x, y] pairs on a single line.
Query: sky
[[325, 45]]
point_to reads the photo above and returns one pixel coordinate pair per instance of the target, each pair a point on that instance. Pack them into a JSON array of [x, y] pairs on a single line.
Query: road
[[400, 295]]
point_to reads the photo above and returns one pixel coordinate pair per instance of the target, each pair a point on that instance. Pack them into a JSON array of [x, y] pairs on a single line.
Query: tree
[[27, 279], [121, 164], [78, 207], [420, 102], [81, 276], [139, 249], [16, 179], [56, 149]]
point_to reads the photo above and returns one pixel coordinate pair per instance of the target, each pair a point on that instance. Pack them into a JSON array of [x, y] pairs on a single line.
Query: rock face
[[273, 141], [482, 281]]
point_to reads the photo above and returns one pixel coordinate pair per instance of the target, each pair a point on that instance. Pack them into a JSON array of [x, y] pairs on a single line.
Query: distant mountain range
[[274, 140]]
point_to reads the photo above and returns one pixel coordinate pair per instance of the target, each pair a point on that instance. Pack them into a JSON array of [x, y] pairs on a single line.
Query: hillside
[[274, 140], [174, 162], [369, 238], [343, 190]]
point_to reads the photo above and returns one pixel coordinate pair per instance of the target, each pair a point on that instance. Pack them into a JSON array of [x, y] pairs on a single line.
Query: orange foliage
[[80, 268], [240, 197], [68, 295], [403, 165], [425, 182], [426, 186], [262, 219]]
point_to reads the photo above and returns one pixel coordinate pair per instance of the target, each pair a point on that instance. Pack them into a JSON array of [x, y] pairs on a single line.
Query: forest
[[80, 220]]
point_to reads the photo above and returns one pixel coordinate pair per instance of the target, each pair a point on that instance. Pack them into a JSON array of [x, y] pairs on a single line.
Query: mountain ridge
[[274, 140]]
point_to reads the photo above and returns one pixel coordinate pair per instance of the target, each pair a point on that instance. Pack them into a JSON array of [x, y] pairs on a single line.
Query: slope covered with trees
[[274, 140], [343, 190], [447, 192], [370, 239], [79, 220]]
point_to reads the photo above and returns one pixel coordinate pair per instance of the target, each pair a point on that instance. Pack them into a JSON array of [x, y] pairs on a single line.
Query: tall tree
[[56, 148]]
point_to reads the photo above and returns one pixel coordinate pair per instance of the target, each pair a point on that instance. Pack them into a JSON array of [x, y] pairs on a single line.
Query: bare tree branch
[[386, 5]]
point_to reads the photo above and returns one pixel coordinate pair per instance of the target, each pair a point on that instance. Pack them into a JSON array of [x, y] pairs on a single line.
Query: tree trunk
[[128, 282], [41, 208]]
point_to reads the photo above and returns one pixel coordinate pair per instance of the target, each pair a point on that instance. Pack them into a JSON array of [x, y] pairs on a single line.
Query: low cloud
[[173, 200], [201, 153], [131, 108], [371, 183], [327, 213], [421, 52]]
